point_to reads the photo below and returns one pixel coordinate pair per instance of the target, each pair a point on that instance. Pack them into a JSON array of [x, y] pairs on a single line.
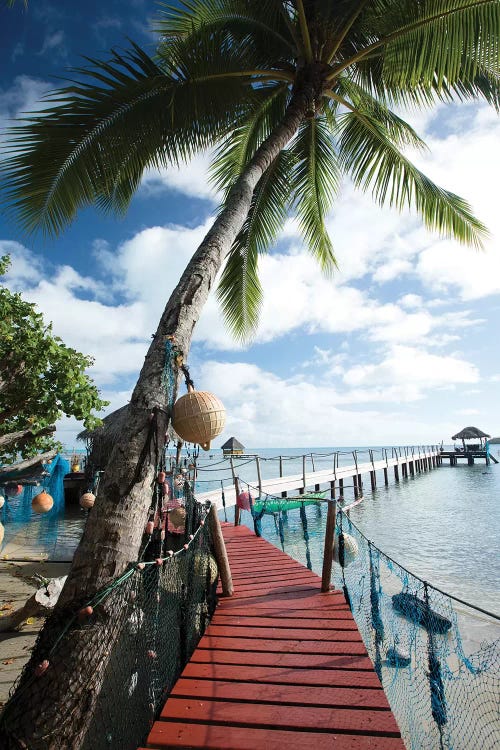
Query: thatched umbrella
[[470, 433]]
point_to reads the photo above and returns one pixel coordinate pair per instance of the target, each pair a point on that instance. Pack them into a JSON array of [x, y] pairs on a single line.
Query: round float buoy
[[244, 501], [42, 502], [351, 549], [177, 517], [13, 490], [198, 417], [87, 500], [2, 501]]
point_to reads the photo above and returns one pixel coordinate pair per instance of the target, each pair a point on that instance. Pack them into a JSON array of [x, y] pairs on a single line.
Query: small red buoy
[[244, 501], [87, 500], [41, 668], [85, 612], [13, 490], [42, 502]]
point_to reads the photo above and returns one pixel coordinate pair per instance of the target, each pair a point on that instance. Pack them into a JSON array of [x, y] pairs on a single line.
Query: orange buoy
[[87, 500], [42, 502]]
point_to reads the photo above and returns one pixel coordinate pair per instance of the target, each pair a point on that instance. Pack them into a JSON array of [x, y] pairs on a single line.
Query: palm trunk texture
[[53, 711]]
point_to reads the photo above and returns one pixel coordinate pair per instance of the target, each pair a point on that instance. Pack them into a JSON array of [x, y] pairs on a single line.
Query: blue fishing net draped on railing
[[17, 513], [437, 657]]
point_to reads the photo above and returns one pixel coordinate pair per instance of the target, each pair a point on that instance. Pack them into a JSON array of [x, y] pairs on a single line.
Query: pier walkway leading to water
[[280, 666], [404, 462]]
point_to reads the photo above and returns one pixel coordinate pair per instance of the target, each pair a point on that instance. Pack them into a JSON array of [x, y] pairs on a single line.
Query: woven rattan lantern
[[199, 417]]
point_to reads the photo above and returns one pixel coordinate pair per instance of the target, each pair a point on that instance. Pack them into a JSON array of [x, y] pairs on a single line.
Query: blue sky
[[400, 347]]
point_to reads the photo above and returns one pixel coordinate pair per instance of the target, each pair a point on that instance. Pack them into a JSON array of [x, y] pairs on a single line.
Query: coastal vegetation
[[41, 379], [292, 96]]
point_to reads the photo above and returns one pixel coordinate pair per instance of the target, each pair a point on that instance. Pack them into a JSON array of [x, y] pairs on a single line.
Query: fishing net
[[437, 657], [145, 623]]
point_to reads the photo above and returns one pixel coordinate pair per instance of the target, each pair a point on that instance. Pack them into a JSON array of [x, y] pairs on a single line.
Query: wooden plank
[[337, 615], [290, 694], [357, 721], [239, 643], [216, 737], [283, 675], [292, 621], [303, 634], [295, 660]]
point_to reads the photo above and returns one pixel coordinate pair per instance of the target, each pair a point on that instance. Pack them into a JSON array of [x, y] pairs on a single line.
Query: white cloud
[[190, 179], [411, 366]]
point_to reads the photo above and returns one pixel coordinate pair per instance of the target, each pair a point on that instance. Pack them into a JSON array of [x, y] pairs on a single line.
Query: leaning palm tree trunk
[[57, 716]]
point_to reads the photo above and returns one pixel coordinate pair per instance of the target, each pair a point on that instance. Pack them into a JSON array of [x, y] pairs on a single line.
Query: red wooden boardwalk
[[281, 666]]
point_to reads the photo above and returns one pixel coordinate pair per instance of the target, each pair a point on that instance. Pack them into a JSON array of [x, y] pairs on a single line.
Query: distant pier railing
[[403, 461]]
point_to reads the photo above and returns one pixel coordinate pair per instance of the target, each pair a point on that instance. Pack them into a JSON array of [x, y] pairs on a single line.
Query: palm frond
[[239, 290], [240, 145], [426, 44], [316, 181], [93, 145], [371, 159], [260, 26]]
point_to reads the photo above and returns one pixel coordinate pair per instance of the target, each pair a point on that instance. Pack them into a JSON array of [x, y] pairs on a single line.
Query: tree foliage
[[223, 76], [41, 379]]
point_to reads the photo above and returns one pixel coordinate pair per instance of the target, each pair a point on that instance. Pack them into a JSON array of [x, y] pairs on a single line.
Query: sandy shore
[[16, 587]]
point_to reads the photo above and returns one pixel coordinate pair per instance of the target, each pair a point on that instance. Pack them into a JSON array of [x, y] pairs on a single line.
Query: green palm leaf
[[239, 290], [316, 180], [94, 144], [240, 145], [371, 159]]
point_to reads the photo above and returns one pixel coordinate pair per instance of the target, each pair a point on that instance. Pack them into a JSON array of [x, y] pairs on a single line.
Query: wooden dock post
[[236, 506], [341, 488], [259, 476], [373, 476], [331, 516], [396, 467], [303, 475], [220, 553]]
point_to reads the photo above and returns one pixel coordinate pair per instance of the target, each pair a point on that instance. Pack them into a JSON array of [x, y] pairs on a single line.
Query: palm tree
[[293, 95]]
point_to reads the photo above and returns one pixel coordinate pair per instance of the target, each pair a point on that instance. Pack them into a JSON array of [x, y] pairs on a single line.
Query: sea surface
[[442, 525]]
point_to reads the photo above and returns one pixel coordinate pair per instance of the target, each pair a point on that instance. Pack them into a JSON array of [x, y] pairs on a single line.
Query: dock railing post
[[259, 475], [303, 474], [220, 553], [236, 491], [329, 541], [236, 506]]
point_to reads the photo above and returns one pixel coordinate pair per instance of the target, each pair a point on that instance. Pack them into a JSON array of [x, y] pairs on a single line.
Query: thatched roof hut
[[471, 433], [100, 441], [233, 447]]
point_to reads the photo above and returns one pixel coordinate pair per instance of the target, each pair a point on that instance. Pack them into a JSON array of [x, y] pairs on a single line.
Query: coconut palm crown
[[226, 75]]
